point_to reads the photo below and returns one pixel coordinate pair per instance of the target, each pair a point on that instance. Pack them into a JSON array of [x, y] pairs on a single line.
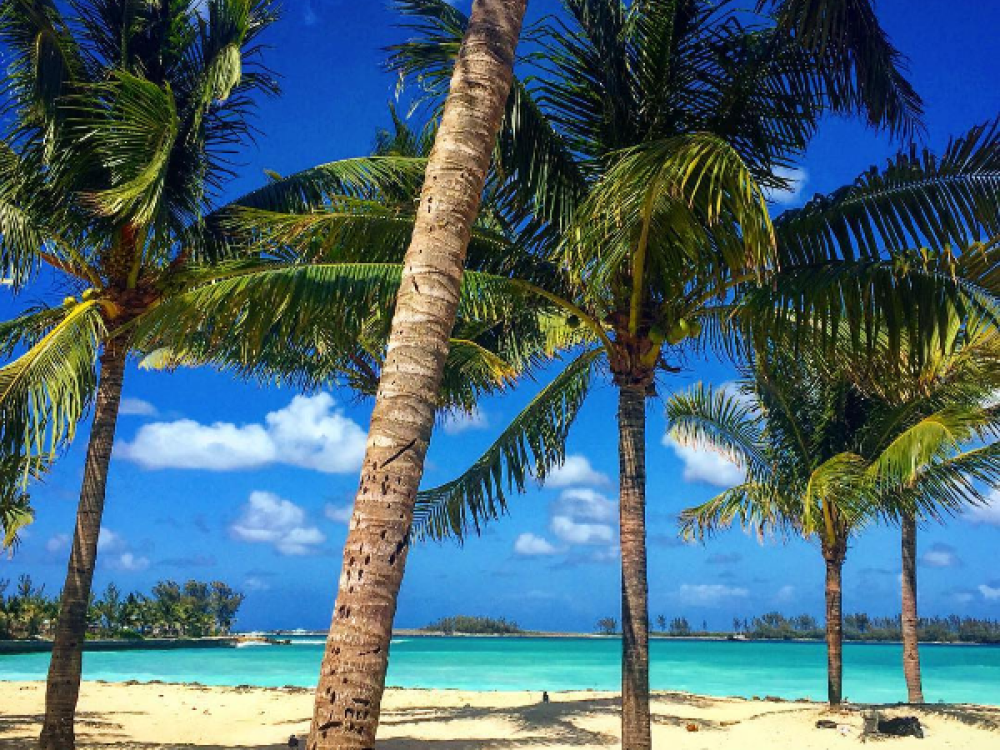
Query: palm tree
[[636, 155], [123, 116], [824, 459], [960, 374], [352, 677]]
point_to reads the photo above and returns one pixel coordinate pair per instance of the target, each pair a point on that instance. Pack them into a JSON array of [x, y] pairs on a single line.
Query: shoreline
[[145, 717]]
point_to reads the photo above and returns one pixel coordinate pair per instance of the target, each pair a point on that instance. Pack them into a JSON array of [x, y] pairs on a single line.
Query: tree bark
[[352, 676], [910, 621], [635, 588], [834, 556], [63, 688]]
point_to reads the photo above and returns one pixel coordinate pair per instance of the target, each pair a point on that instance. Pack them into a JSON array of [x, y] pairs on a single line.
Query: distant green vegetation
[[857, 627], [473, 626], [194, 609]]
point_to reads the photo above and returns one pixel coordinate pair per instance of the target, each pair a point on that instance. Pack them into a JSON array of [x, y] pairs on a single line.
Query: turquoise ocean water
[[872, 672]]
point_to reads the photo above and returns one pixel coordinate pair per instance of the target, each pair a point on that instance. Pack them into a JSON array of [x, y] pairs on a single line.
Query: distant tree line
[[468, 625], [193, 609], [857, 627]]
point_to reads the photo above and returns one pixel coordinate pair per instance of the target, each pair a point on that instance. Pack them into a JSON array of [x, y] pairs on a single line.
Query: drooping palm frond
[[532, 445], [919, 199], [45, 391], [725, 421], [16, 512], [864, 69], [755, 506]]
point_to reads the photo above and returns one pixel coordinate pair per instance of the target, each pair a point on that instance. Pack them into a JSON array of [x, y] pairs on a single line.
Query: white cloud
[[576, 471], [129, 561], [256, 584], [709, 594], [586, 504], [530, 545], [703, 464], [58, 542], [785, 594], [109, 541], [940, 556], [269, 519], [990, 593], [988, 514], [310, 432], [457, 422], [796, 179], [338, 513], [573, 532], [137, 407]]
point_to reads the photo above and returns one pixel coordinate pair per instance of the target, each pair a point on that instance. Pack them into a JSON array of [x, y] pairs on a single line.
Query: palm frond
[[534, 443], [758, 507]]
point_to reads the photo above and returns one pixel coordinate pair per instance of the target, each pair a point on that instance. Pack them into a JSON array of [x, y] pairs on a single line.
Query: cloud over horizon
[[269, 519], [311, 433]]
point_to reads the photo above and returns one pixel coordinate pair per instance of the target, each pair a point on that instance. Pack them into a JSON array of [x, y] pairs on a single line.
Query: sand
[[176, 716]]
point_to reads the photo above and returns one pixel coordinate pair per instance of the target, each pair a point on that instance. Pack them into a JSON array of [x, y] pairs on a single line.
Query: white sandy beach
[[155, 716]]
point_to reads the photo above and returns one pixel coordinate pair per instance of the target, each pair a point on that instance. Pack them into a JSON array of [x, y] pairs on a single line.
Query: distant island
[[466, 625], [194, 609], [775, 626]]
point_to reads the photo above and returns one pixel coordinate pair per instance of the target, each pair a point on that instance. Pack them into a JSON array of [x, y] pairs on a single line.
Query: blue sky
[[217, 479]]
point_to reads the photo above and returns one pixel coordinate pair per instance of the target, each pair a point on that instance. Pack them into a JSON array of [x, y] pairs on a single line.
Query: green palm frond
[[533, 444], [862, 65], [947, 486], [45, 391], [133, 125], [727, 422], [919, 199], [758, 507]]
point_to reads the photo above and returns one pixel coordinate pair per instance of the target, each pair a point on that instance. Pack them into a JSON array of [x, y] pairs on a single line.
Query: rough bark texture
[[911, 647], [352, 676], [834, 555], [635, 589], [63, 688]]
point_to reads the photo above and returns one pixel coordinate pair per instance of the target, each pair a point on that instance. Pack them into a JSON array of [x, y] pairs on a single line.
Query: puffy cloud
[[253, 583], [583, 516], [990, 592], [129, 562], [785, 594], [269, 519], [530, 545], [576, 471], [703, 464], [109, 541], [940, 556], [988, 514], [338, 513], [58, 542], [457, 422], [310, 432], [137, 407], [796, 179], [710, 594]]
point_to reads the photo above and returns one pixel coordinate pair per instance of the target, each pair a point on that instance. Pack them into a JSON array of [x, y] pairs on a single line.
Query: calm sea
[[872, 672]]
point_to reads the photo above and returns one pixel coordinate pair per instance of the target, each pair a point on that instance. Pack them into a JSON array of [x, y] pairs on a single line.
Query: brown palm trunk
[[910, 622], [834, 556], [352, 676], [65, 666], [635, 589]]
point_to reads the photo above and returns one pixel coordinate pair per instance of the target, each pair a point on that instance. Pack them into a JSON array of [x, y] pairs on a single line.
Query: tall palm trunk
[[635, 589], [834, 555], [352, 676], [910, 622], [63, 688]]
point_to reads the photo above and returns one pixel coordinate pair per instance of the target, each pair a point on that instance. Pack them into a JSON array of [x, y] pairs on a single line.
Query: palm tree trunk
[[910, 622], [834, 623], [352, 676], [65, 666], [635, 588]]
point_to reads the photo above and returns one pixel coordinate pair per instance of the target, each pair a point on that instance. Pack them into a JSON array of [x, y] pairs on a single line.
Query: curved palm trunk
[[63, 688], [910, 621], [635, 589], [352, 676], [834, 557]]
